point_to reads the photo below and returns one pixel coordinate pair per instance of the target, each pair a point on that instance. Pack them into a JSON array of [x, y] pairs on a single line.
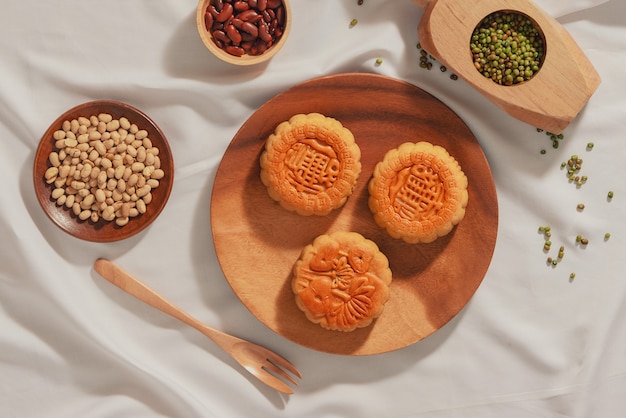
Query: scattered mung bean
[[573, 166]]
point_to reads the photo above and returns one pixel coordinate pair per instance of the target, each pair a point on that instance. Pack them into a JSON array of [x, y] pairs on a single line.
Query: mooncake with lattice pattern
[[341, 281], [418, 192], [310, 164]]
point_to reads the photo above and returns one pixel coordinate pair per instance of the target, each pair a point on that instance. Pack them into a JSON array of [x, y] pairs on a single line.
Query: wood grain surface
[[257, 241], [103, 231]]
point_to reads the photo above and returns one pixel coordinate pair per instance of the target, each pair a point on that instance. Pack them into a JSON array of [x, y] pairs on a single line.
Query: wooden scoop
[[551, 99]]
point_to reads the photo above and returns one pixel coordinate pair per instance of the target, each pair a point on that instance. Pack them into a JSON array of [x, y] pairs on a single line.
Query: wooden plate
[[103, 231], [257, 241]]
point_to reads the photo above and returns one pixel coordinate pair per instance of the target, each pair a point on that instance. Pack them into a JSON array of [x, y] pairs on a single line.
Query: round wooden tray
[[257, 241], [102, 231]]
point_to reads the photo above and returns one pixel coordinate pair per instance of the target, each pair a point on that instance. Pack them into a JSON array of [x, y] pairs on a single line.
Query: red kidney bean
[[221, 36], [235, 50], [278, 32], [233, 34], [261, 47], [211, 9], [280, 15], [245, 26], [248, 46], [266, 16], [264, 32], [249, 15], [241, 6], [237, 22], [250, 28], [225, 14], [246, 37], [208, 20]]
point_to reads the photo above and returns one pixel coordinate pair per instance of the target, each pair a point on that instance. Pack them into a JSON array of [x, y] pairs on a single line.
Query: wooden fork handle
[[134, 287]]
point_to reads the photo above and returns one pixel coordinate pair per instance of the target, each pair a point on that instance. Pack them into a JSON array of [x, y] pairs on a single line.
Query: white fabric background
[[529, 344]]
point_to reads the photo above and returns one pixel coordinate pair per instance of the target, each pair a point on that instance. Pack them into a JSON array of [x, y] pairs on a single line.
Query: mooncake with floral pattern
[[341, 281]]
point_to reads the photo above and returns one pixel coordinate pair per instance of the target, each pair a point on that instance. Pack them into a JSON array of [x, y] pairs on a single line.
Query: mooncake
[[341, 281], [310, 164], [418, 192]]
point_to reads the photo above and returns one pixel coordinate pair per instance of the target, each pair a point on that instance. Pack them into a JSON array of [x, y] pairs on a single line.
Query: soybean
[[95, 174]]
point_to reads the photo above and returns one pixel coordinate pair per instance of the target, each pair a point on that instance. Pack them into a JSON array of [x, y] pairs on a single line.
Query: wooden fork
[[269, 367]]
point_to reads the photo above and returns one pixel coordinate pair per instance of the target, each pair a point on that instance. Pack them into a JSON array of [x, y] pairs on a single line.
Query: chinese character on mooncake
[[418, 192], [310, 164]]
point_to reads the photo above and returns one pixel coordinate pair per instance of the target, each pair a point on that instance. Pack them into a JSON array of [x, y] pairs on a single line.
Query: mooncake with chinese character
[[418, 192], [341, 281], [310, 164]]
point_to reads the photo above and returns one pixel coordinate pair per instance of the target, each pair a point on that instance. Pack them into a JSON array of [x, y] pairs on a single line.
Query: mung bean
[[507, 48]]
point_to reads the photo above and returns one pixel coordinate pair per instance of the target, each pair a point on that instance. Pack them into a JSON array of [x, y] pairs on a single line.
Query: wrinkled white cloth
[[530, 343], [561, 8]]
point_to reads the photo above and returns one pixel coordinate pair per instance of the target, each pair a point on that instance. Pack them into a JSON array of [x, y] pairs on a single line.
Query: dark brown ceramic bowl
[[102, 231]]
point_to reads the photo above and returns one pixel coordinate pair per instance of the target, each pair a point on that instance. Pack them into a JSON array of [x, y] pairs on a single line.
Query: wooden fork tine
[[276, 371], [271, 367], [275, 383], [284, 364]]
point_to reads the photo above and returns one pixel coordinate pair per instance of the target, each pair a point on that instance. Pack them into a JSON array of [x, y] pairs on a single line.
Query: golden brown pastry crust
[[418, 192], [341, 281], [310, 164]]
